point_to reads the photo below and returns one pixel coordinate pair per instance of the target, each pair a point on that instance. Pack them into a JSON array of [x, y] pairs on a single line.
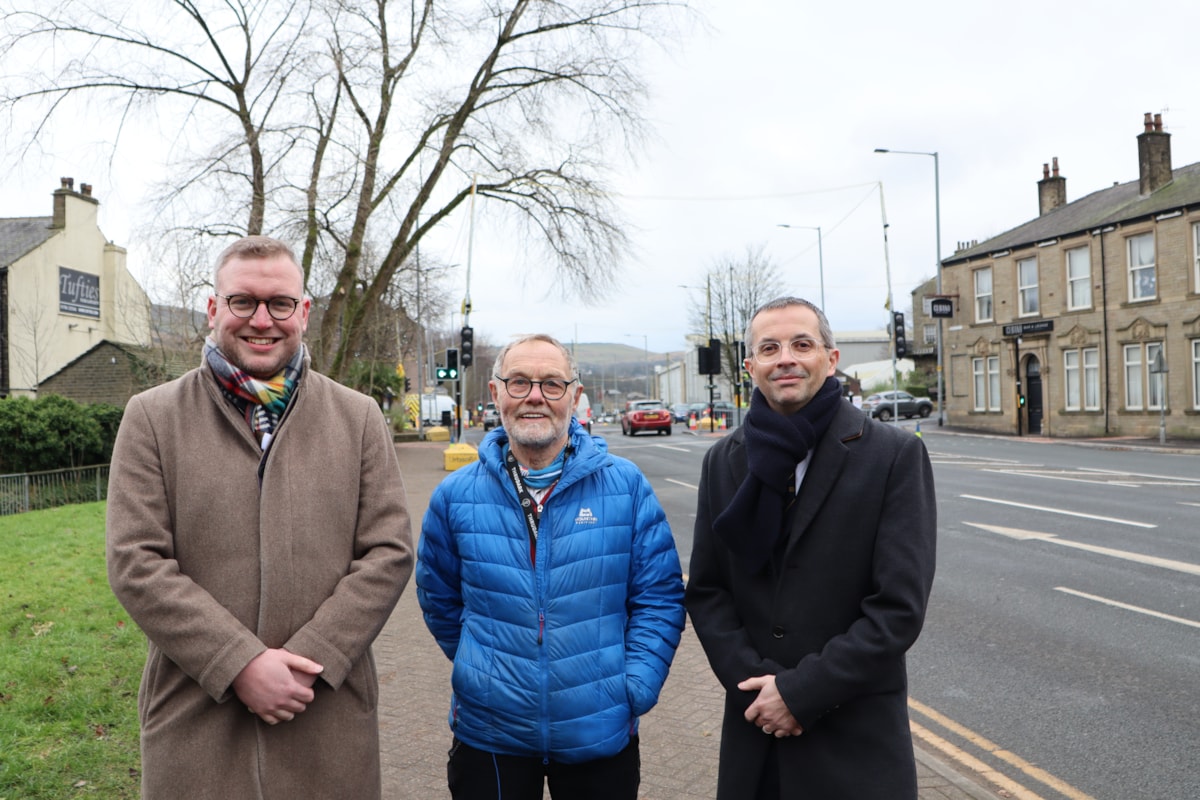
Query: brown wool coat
[[215, 570]]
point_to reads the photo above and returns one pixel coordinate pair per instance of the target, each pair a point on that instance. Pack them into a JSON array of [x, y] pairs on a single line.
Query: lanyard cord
[[529, 506]]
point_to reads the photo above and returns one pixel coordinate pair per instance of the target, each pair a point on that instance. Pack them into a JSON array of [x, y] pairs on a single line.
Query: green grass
[[70, 662]]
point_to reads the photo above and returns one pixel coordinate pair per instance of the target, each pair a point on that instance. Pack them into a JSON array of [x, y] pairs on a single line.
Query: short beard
[[535, 440]]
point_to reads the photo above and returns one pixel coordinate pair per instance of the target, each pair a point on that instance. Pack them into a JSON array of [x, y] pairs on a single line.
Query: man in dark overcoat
[[811, 567]]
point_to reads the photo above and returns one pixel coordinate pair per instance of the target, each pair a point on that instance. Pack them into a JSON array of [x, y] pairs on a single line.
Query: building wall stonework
[[1113, 319]]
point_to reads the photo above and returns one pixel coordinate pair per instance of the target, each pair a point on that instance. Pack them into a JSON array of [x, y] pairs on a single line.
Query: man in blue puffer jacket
[[561, 619]]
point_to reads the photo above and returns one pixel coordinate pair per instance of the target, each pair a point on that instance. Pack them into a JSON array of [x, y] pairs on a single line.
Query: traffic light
[[407, 385], [709, 358], [898, 331], [451, 364], [443, 374], [468, 346]]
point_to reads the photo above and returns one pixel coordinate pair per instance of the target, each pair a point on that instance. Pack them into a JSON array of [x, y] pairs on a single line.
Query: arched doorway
[[1033, 394]]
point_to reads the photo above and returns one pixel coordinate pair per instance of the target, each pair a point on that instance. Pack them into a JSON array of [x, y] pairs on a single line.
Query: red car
[[645, 415]]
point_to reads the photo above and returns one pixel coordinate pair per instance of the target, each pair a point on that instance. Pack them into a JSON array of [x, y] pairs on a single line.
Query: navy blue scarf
[[753, 521]]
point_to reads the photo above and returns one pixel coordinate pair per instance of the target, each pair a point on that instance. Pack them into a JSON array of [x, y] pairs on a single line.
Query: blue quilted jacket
[[556, 660]]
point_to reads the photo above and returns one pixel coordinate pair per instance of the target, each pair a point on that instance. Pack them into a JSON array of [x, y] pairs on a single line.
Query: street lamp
[[820, 254], [937, 210]]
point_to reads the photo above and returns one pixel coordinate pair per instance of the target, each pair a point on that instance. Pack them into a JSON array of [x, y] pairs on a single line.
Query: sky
[[769, 113]]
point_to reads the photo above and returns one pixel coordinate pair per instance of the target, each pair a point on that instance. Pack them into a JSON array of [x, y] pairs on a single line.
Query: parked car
[[883, 405], [645, 415], [679, 412], [491, 417]]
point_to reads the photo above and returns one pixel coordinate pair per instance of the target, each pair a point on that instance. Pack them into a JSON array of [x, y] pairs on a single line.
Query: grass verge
[[70, 663]]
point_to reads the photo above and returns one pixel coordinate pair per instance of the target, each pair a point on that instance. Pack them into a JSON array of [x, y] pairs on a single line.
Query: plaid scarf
[[752, 523], [261, 402]]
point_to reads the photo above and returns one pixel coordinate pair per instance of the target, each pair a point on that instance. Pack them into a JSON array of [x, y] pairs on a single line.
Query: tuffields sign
[[78, 293], [1022, 328]]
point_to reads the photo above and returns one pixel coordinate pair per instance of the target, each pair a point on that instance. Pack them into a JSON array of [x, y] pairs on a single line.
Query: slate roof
[[1116, 204], [20, 235]]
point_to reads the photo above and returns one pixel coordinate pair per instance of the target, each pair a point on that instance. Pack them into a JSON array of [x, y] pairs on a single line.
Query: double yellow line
[[970, 762]]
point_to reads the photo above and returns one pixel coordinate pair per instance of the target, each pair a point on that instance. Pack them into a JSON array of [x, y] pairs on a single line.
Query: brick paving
[[680, 736]]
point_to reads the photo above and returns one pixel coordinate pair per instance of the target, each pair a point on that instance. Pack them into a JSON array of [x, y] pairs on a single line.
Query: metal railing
[[33, 491]]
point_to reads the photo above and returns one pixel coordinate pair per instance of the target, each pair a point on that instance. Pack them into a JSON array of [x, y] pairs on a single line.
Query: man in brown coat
[[258, 534]]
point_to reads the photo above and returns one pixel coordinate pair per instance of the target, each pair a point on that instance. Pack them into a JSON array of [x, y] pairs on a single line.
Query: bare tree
[[739, 286], [359, 128], [33, 334]]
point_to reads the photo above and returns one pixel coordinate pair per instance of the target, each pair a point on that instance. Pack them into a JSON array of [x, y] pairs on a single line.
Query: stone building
[[64, 289], [1063, 325]]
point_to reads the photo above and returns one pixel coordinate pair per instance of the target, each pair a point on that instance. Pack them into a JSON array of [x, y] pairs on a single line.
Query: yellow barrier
[[438, 433], [459, 455]]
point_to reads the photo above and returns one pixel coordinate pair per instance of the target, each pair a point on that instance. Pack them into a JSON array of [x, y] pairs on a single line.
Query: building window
[[1071, 379], [1091, 379], [986, 374], [1196, 256], [1196, 374], [1142, 389], [1079, 278], [1081, 378], [1142, 278], [930, 333], [983, 295], [1027, 286]]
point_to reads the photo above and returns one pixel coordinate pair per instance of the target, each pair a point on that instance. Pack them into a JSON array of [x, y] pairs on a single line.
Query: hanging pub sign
[[78, 293], [941, 308]]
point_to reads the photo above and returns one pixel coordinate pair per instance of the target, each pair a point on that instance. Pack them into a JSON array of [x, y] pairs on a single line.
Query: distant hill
[[600, 354]]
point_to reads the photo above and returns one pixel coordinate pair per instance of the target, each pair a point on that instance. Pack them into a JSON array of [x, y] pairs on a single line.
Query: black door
[[1033, 395]]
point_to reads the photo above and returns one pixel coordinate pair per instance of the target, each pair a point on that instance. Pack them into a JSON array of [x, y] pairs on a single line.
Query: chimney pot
[[1052, 189], [1154, 156]]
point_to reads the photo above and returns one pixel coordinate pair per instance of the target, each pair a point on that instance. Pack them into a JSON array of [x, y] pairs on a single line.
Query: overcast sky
[[771, 116]]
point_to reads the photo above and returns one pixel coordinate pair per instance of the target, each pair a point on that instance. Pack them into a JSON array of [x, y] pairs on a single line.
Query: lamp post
[[820, 254], [937, 211]]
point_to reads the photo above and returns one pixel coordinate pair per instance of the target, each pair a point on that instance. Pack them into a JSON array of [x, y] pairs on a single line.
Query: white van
[[583, 412], [433, 408]]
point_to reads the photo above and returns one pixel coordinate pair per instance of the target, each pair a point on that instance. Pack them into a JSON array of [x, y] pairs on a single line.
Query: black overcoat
[[831, 618]]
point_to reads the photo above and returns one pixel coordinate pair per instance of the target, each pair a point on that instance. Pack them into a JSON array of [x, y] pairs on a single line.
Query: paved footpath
[[680, 736]]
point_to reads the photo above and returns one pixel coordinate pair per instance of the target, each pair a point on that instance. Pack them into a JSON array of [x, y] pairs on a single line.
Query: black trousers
[[477, 775]]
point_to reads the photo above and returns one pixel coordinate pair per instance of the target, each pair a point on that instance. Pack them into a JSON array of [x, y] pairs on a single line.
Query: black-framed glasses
[[245, 306], [802, 347], [552, 388]]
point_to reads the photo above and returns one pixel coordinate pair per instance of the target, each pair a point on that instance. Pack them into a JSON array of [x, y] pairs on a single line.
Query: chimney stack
[[67, 189], [1154, 155], [1052, 190]]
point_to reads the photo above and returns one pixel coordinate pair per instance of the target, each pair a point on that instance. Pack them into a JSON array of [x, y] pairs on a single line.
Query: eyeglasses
[[245, 306], [801, 347], [519, 388]]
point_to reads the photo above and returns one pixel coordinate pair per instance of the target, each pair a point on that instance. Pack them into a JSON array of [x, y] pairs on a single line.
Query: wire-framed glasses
[[552, 388], [246, 306], [802, 347]]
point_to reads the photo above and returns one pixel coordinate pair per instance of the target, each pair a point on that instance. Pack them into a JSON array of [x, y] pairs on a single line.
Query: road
[[1062, 646]]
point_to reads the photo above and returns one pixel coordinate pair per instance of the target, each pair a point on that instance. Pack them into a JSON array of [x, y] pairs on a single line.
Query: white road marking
[[1057, 511], [1153, 561], [1118, 604]]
